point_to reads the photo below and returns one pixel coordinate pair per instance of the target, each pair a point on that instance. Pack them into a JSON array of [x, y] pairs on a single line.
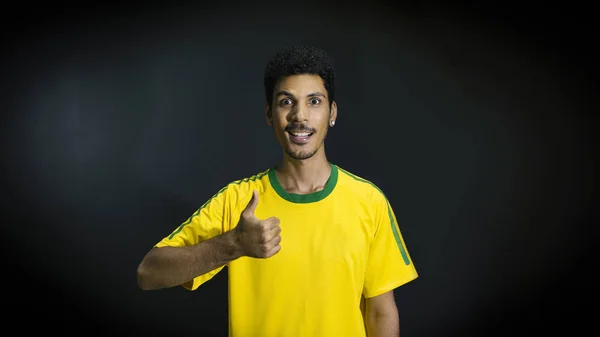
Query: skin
[[381, 316], [300, 102]]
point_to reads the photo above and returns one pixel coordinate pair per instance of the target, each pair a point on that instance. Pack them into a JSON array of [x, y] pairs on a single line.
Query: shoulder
[[355, 184], [240, 190]]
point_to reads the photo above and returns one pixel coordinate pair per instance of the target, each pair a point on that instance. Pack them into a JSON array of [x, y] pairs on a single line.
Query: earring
[[332, 123]]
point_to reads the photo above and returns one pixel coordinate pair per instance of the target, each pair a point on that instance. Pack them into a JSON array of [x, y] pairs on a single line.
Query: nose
[[300, 113]]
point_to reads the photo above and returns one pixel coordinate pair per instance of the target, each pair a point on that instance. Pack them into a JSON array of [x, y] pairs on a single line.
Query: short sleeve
[[210, 220], [389, 264]]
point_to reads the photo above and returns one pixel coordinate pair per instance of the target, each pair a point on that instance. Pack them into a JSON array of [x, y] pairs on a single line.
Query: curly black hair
[[299, 60]]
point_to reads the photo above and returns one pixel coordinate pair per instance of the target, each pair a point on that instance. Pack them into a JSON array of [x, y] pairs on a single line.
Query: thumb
[[252, 203]]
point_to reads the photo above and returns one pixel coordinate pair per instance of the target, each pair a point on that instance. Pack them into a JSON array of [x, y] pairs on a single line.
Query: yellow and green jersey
[[338, 245]]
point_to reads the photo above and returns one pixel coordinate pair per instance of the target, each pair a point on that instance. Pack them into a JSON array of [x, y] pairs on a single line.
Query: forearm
[[172, 266], [384, 325], [381, 316]]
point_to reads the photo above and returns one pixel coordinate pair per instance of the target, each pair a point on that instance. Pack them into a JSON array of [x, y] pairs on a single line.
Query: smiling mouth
[[300, 134], [299, 137]]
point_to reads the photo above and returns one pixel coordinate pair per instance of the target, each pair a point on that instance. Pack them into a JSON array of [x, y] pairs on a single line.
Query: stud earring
[[332, 123]]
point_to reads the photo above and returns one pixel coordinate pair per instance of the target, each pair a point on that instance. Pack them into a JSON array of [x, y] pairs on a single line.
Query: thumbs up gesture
[[255, 237]]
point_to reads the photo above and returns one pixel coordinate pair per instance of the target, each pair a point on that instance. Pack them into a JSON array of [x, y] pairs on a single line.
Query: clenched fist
[[255, 237]]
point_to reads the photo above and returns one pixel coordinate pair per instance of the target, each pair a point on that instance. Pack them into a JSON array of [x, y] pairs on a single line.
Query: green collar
[[305, 198]]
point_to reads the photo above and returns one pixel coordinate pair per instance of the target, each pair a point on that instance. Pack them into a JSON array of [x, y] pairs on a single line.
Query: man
[[312, 249]]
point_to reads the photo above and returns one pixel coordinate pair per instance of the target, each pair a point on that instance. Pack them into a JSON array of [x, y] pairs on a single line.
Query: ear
[[333, 112], [268, 115]]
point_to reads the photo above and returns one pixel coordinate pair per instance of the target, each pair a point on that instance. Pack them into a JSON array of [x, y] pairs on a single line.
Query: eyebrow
[[286, 93]]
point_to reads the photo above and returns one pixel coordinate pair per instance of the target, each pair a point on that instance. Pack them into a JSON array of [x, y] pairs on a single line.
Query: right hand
[[257, 238]]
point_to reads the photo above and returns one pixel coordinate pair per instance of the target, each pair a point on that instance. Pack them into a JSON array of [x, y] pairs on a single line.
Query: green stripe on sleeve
[[390, 214], [397, 237], [238, 182]]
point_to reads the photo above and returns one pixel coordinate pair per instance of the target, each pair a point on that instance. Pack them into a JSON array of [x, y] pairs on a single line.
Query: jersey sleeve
[[210, 220], [389, 264]]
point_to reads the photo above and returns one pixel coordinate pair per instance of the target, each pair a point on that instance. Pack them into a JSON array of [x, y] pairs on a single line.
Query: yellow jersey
[[338, 245]]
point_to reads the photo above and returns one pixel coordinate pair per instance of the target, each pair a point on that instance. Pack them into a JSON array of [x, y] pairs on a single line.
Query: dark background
[[475, 120]]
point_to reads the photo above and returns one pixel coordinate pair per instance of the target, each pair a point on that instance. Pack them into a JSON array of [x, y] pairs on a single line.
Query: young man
[[312, 249]]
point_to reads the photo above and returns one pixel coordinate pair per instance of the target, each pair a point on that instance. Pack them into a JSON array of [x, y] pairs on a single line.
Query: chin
[[299, 154]]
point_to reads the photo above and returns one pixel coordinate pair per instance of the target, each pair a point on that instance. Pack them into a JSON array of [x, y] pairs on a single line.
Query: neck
[[303, 176]]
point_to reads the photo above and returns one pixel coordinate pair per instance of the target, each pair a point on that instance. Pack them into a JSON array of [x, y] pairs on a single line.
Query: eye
[[315, 101], [286, 101]]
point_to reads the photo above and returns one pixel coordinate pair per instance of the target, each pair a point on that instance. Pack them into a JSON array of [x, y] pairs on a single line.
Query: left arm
[[382, 316], [389, 266]]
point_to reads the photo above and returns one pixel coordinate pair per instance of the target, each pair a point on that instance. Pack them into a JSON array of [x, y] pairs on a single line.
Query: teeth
[[301, 134]]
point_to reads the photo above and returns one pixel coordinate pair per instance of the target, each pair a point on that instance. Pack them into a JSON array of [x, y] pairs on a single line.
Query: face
[[300, 115]]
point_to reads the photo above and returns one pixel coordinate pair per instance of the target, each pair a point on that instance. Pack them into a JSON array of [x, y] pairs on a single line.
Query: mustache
[[299, 128]]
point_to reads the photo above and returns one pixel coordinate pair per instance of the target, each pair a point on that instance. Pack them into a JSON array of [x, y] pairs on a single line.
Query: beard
[[300, 155], [304, 154]]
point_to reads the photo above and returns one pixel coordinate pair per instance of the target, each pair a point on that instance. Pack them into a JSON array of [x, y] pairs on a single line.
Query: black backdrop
[[476, 121]]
